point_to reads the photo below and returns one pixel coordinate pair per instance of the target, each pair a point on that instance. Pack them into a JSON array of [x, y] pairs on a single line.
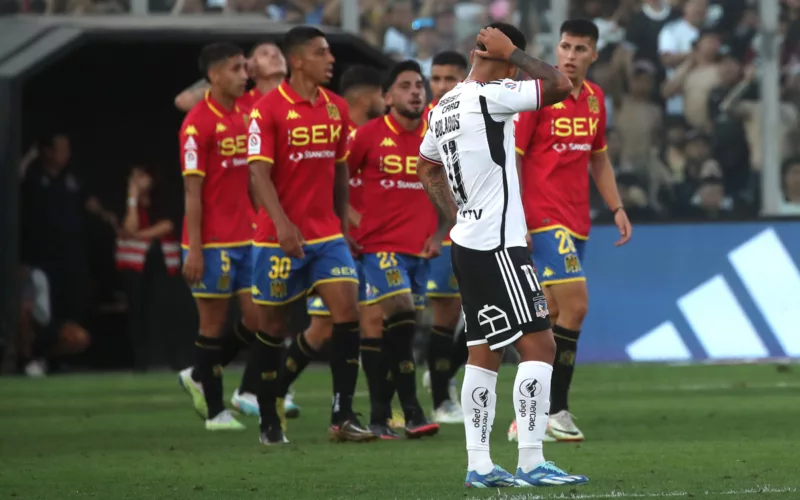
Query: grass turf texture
[[653, 431]]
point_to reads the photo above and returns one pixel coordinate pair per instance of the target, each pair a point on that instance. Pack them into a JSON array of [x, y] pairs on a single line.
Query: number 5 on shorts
[[225, 261], [531, 275], [281, 266]]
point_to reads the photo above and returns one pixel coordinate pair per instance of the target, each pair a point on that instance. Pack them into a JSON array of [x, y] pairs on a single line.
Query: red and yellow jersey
[[213, 144], [249, 99], [303, 141], [556, 144], [396, 209], [356, 188]]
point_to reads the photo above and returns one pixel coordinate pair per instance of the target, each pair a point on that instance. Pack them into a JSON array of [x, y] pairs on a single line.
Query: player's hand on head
[[495, 44], [624, 227], [193, 267], [291, 240]]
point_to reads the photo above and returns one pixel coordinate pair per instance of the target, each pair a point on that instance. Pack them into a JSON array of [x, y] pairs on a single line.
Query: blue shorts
[[390, 273], [558, 255], [316, 307], [442, 282], [278, 279], [226, 271]]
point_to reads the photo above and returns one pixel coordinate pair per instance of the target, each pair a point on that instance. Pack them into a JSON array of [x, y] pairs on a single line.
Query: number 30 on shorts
[[281, 266]]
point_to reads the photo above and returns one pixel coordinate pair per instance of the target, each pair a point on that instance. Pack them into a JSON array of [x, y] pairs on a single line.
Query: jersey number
[[565, 244], [452, 163], [531, 275], [280, 267], [387, 260], [226, 262]]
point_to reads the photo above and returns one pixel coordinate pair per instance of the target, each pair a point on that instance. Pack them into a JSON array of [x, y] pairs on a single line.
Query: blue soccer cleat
[[498, 478], [547, 474]]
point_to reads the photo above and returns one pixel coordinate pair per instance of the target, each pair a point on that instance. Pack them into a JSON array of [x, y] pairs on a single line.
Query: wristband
[[132, 202]]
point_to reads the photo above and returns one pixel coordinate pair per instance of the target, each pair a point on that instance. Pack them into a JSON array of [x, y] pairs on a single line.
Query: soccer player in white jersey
[[468, 167]]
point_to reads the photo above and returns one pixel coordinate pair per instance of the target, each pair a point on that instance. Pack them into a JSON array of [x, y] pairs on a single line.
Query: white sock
[[479, 401], [532, 404]]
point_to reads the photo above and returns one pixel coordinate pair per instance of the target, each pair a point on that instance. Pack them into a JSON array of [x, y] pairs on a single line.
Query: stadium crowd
[[680, 79]]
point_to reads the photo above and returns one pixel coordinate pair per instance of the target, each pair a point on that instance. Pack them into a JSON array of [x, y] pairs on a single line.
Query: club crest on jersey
[[333, 112], [540, 306], [224, 282], [594, 104], [572, 264]]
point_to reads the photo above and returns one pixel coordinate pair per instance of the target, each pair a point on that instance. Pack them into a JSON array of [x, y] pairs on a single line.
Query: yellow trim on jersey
[[559, 226], [601, 150], [242, 291], [280, 303], [284, 94], [193, 172], [388, 295], [319, 313], [234, 244], [388, 123], [309, 242], [588, 87], [211, 106], [251, 159], [447, 243], [324, 94], [343, 158], [332, 280], [519, 151], [434, 295], [207, 295], [561, 282]]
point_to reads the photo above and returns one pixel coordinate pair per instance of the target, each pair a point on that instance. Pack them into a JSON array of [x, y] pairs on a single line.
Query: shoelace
[[551, 466]]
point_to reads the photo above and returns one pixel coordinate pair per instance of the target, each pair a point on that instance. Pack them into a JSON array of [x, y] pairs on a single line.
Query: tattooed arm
[[435, 183]]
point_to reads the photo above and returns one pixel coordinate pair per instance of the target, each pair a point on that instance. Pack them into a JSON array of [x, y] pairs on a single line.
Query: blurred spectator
[[633, 194], [675, 43], [396, 41], [790, 187], [140, 260], [638, 118], [446, 29], [673, 154], [709, 201], [694, 78], [645, 26], [425, 43]]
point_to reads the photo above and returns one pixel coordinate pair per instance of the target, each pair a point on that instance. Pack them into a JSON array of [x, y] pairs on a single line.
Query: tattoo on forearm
[[435, 184], [533, 66]]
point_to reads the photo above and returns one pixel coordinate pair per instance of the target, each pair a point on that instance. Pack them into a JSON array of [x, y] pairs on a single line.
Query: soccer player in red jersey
[[556, 144], [296, 149], [445, 357], [217, 231], [361, 86], [394, 240], [266, 67]]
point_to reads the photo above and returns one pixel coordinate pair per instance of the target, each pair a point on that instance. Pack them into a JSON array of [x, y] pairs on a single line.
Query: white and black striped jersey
[[471, 133]]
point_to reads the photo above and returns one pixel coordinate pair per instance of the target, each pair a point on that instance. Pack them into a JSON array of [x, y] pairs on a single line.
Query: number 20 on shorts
[[281, 266]]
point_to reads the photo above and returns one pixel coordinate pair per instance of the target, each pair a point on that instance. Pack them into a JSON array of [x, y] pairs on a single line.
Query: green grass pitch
[[653, 432]]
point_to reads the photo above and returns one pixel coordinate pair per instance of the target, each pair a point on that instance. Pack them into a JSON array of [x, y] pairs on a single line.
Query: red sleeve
[[341, 146], [525, 129], [261, 134], [599, 144], [194, 146], [357, 149]]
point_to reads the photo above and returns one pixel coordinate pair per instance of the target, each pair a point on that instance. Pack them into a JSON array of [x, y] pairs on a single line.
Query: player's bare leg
[[207, 371], [401, 326], [375, 362], [442, 361], [244, 398], [273, 328], [570, 302], [341, 299]]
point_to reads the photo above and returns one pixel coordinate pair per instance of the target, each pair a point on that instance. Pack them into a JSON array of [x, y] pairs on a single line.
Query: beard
[[409, 113]]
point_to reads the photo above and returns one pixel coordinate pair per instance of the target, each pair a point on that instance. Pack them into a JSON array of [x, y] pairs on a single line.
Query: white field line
[[689, 387], [758, 490]]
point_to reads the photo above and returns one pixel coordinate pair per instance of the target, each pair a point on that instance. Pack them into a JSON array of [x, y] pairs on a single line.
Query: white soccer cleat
[[224, 421], [426, 380], [36, 368], [448, 413], [561, 427], [512, 434], [245, 402]]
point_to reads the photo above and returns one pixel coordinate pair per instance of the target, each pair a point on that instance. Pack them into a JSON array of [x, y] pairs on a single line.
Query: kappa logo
[[480, 396], [292, 115], [548, 272], [558, 105], [530, 387], [190, 130], [221, 127], [387, 142], [772, 281]]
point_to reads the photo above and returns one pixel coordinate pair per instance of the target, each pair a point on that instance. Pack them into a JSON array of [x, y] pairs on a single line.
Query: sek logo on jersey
[[316, 134]]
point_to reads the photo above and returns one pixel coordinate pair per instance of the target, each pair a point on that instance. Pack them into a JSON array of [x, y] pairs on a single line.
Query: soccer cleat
[[561, 427], [547, 474], [418, 427], [512, 433], [448, 413], [289, 407], [224, 421], [398, 420], [426, 380], [350, 430], [384, 432], [273, 435], [195, 390], [497, 478], [245, 402]]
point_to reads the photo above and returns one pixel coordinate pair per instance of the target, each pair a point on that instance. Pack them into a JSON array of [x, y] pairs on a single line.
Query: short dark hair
[[397, 69], [581, 27], [359, 76], [450, 58], [259, 44], [513, 34], [299, 36], [215, 53]]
